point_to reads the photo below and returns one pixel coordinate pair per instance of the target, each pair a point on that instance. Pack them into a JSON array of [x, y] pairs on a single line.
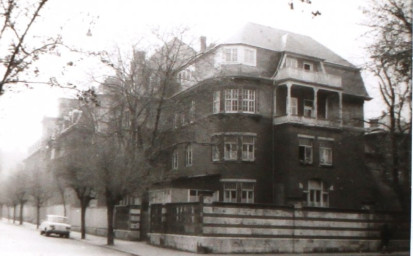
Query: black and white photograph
[[191, 127]]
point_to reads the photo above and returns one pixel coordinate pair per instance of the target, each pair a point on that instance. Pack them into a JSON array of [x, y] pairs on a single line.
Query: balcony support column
[[340, 108], [288, 100], [315, 103]]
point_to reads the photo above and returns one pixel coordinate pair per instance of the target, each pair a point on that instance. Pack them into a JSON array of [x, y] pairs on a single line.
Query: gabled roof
[[284, 41]]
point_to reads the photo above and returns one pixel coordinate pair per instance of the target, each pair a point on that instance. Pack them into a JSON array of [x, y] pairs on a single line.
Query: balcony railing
[[307, 121], [309, 76]]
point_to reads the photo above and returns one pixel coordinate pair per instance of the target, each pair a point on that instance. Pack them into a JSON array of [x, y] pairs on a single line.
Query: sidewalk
[[144, 249]]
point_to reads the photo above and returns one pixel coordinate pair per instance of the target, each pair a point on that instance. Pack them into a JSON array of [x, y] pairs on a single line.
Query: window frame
[[192, 112], [230, 191], [216, 102], [231, 152], [248, 100], [309, 65], [317, 195], [215, 153], [308, 158], [231, 100], [250, 56], [175, 159], [248, 154], [294, 106], [326, 150], [188, 155], [307, 107]]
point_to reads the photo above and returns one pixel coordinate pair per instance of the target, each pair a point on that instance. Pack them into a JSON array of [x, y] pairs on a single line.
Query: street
[[20, 240]]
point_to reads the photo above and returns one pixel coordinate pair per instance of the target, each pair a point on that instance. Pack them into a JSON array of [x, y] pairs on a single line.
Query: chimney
[[202, 40]]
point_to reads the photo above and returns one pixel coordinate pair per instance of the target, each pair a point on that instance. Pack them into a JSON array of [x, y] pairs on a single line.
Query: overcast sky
[[124, 22]]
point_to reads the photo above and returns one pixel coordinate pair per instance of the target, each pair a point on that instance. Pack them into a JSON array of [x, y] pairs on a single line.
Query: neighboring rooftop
[[284, 41]]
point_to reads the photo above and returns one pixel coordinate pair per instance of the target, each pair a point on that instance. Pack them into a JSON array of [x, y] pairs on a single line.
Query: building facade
[[266, 116]]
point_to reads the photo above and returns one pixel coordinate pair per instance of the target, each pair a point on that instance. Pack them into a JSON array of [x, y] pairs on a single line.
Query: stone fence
[[250, 228]]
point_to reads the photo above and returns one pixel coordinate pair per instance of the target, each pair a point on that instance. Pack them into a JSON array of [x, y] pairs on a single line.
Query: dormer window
[[231, 54], [308, 66], [239, 55]]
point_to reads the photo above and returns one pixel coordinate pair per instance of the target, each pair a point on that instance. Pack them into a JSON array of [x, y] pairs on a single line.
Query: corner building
[[266, 116]]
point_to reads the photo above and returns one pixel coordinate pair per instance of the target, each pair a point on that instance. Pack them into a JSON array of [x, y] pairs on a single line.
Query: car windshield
[[58, 219]]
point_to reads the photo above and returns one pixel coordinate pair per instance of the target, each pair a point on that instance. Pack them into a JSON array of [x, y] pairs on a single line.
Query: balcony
[[309, 77], [309, 121]]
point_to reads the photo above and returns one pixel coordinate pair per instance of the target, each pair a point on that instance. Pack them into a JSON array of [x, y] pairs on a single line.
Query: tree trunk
[[21, 213], [83, 206], [14, 213], [37, 216], [110, 210]]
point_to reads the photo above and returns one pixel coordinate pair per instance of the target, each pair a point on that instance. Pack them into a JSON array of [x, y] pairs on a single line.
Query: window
[[230, 148], [215, 153], [230, 192], [308, 108], [235, 192], [249, 56], [175, 159], [176, 120], [237, 100], [317, 196], [307, 66], [183, 119], [188, 154], [184, 75], [305, 150], [231, 54], [294, 106], [247, 192], [192, 112], [248, 148], [216, 102], [248, 101], [326, 153], [239, 54], [231, 100]]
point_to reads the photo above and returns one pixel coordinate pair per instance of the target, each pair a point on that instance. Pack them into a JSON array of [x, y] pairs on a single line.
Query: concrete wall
[[230, 228]]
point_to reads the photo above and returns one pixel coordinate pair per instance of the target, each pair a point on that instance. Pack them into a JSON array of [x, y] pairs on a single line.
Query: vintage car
[[55, 224]]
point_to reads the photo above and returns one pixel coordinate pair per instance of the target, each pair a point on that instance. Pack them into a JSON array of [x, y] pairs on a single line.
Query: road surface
[[23, 241]]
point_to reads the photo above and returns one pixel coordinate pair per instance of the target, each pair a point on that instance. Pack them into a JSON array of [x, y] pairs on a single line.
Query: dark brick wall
[[348, 177]]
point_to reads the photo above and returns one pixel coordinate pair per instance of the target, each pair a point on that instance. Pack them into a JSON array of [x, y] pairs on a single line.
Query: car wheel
[[41, 232], [47, 233], [68, 236]]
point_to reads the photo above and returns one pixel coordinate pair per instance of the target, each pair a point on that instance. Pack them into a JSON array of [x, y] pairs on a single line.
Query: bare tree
[[135, 98], [76, 167], [40, 190], [18, 192], [391, 54], [17, 19]]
